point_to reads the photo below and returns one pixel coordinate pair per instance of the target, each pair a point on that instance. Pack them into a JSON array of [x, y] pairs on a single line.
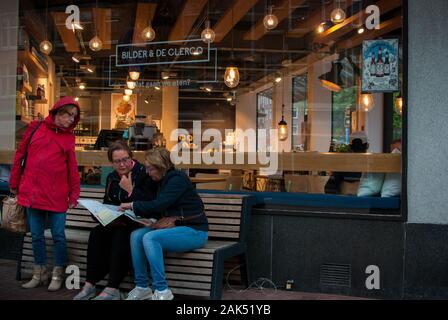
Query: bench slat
[[223, 214], [217, 207], [222, 201]]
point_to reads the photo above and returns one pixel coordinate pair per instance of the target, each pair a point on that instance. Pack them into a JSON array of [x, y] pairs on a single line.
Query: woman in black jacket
[[108, 249], [182, 225]]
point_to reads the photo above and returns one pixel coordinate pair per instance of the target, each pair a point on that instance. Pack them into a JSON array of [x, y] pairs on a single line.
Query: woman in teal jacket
[[181, 225]]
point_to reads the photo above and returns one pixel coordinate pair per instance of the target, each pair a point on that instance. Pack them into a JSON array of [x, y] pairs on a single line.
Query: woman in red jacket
[[48, 185]]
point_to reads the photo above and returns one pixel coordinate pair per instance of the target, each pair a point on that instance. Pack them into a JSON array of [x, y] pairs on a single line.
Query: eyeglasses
[[119, 161]]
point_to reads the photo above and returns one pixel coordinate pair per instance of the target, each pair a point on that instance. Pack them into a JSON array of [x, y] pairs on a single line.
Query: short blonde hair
[[160, 159]]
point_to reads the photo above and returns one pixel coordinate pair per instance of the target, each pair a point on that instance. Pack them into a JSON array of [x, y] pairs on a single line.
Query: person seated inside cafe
[[358, 144]]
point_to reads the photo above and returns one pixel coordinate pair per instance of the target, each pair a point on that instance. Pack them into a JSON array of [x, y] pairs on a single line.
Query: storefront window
[[147, 73]]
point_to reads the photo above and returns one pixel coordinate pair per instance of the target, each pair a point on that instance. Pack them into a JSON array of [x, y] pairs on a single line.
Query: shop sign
[[380, 61], [167, 52]]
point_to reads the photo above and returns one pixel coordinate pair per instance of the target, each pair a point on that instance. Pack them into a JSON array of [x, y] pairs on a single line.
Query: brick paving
[[10, 290]]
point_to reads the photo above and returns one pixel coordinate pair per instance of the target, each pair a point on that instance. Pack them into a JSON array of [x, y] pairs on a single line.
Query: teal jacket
[[176, 196]]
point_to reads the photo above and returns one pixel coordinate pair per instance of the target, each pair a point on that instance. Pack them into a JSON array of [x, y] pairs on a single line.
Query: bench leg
[[244, 269], [217, 277]]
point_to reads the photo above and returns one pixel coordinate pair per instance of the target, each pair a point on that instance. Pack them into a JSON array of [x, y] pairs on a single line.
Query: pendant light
[[399, 104], [95, 43], [270, 21], [126, 98], [283, 125], [232, 74], [128, 92], [208, 35], [366, 102], [134, 75], [45, 46], [338, 14], [148, 34]]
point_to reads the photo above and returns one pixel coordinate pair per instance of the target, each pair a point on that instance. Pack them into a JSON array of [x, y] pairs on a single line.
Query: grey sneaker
[[86, 293], [163, 295], [109, 294], [139, 293]]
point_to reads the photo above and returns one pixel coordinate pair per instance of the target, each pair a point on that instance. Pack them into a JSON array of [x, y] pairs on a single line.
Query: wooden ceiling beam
[[340, 29], [234, 14], [102, 19], [68, 37], [313, 21], [282, 12], [186, 20], [144, 13], [385, 27]]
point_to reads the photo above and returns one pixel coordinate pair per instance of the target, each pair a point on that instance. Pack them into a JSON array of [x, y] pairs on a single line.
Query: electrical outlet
[[289, 284]]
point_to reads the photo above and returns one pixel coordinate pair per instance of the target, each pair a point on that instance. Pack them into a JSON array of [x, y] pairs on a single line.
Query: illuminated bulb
[[157, 87], [148, 34], [229, 99], [76, 26], [82, 86], [126, 98], [232, 77], [399, 104], [131, 84], [208, 35], [134, 75], [321, 28], [283, 130], [90, 69], [270, 21], [196, 52], [367, 102], [278, 79], [95, 44], [208, 89], [128, 92], [76, 99], [46, 47], [337, 15], [361, 30]]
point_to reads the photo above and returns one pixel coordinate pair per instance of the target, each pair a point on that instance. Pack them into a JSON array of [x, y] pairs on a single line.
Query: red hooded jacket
[[50, 180]]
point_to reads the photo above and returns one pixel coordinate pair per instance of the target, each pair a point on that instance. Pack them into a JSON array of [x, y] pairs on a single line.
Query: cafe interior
[[301, 68]]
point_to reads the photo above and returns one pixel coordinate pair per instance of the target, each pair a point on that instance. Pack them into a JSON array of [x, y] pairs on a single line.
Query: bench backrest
[[228, 214]]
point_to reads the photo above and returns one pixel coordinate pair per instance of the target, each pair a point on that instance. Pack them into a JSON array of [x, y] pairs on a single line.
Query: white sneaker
[[163, 295], [139, 293]]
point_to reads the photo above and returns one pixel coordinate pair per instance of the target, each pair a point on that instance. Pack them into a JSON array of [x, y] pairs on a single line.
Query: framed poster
[[122, 112], [380, 65]]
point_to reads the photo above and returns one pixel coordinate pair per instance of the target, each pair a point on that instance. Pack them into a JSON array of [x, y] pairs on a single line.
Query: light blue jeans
[[36, 220], [148, 245]]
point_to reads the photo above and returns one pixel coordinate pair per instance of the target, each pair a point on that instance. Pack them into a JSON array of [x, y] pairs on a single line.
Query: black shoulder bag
[[23, 163]]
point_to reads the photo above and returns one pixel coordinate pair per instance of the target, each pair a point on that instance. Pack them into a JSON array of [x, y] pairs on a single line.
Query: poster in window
[[380, 60], [122, 112]]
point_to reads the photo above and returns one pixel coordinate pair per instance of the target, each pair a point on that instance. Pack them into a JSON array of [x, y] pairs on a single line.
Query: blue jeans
[[36, 220], [148, 245]]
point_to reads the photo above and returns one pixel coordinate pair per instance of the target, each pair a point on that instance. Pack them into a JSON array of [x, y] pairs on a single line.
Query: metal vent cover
[[336, 275]]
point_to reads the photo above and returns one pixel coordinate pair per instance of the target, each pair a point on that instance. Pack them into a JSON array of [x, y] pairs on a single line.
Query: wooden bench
[[198, 273]]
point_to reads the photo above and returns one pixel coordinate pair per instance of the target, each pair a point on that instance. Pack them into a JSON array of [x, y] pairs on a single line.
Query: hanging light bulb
[[148, 34], [321, 27], [131, 84], [82, 86], [283, 127], [399, 104], [134, 75], [208, 35], [95, 44], [361, 30], [270, 21], [232, 77], [46, 47], [366, 102], [128, 92], [337, 15], [126, 98]]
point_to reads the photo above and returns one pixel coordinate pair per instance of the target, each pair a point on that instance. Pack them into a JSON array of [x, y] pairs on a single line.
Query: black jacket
[[144, 187], [176, 197]]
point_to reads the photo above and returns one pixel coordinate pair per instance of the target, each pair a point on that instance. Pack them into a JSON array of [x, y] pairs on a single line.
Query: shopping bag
[[13, 216]]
